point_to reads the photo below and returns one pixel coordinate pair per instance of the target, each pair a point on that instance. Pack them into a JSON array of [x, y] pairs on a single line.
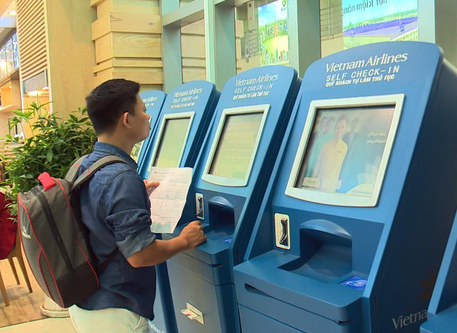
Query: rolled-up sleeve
[[128, 213]]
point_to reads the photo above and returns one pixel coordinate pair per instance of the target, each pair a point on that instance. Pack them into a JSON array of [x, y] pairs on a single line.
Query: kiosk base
[[257, 320], [212, 310], [445, 322]]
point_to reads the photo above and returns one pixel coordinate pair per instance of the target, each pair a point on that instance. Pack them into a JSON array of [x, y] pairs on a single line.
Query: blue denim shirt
[[116, 209]]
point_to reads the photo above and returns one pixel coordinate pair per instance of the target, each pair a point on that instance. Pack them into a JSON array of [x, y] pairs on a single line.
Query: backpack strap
[[72, 174], [86, 176], [95, 167]]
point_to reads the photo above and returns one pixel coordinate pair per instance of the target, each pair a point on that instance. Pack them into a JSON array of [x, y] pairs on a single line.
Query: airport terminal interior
[[312, 139]]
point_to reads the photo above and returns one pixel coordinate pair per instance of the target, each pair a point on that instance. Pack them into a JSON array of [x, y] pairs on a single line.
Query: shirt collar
[[113, 150]]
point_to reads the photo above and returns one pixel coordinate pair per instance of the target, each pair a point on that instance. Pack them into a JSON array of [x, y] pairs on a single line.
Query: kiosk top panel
[[181, 126], [250, 108], [369, 92]]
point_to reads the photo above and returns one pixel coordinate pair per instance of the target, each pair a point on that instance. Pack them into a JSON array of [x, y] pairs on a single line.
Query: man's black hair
[[109, 101]]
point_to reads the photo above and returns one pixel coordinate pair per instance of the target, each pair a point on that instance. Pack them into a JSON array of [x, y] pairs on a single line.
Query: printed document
[[169, 198]]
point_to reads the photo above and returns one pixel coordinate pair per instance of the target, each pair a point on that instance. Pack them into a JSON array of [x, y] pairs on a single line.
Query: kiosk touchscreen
[[229, 180], [173, 135], [176, 141], [355, 219], [442, 312], [153, 101]]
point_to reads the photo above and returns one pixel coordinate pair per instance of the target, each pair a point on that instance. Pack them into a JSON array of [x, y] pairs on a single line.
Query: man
[[116, 209]]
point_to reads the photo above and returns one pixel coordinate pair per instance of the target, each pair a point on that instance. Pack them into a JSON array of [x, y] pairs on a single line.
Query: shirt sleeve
[[129, 213]]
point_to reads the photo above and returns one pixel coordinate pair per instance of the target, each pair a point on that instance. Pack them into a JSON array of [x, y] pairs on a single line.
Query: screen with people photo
[[346, 151]]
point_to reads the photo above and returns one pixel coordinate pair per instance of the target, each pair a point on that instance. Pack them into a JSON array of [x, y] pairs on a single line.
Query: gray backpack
[[55, 240]]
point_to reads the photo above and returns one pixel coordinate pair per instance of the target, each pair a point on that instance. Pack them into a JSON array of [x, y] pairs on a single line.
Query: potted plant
[[51, 145]]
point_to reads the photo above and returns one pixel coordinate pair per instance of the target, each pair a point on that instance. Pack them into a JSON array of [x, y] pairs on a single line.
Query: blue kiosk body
[[175, 142], [442, 312], [153, 100], [228, 184], [355, 220]]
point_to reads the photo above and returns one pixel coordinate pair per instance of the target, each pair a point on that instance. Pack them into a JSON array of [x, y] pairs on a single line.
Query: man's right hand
[[160, 250], [193, 234]]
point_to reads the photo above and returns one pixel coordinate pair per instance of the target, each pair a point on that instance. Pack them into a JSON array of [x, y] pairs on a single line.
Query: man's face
[[140, 120]]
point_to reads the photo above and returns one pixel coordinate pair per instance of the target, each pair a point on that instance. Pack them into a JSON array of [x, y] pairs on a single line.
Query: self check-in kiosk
[[175, 142], [230, 177], [442, 311], [355, 219], [181, 126], [153, 101]]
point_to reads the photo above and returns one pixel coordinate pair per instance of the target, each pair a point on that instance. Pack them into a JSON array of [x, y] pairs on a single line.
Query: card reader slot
[[221, 215], [325, 252], [327, 231]]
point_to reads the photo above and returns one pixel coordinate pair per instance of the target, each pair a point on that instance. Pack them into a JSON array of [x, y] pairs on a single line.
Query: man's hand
[[193, 234], [160, 250], [150, 186]]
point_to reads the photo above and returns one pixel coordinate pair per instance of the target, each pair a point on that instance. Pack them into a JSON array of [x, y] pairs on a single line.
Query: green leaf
[[54, 144]]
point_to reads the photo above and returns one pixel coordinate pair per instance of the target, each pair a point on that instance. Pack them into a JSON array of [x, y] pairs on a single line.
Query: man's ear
[[125, 120]]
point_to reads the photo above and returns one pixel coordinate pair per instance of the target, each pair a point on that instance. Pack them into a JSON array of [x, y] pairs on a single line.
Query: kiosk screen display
[[346, 151], [235, 145], [171, 141]]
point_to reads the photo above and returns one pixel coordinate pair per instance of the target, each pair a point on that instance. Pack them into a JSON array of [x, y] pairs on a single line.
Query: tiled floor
[[49, 325]]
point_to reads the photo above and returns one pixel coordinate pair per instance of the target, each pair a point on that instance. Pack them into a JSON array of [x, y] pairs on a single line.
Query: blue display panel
[[153, 101], [357, 212], [230, 177], [175, 142]]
